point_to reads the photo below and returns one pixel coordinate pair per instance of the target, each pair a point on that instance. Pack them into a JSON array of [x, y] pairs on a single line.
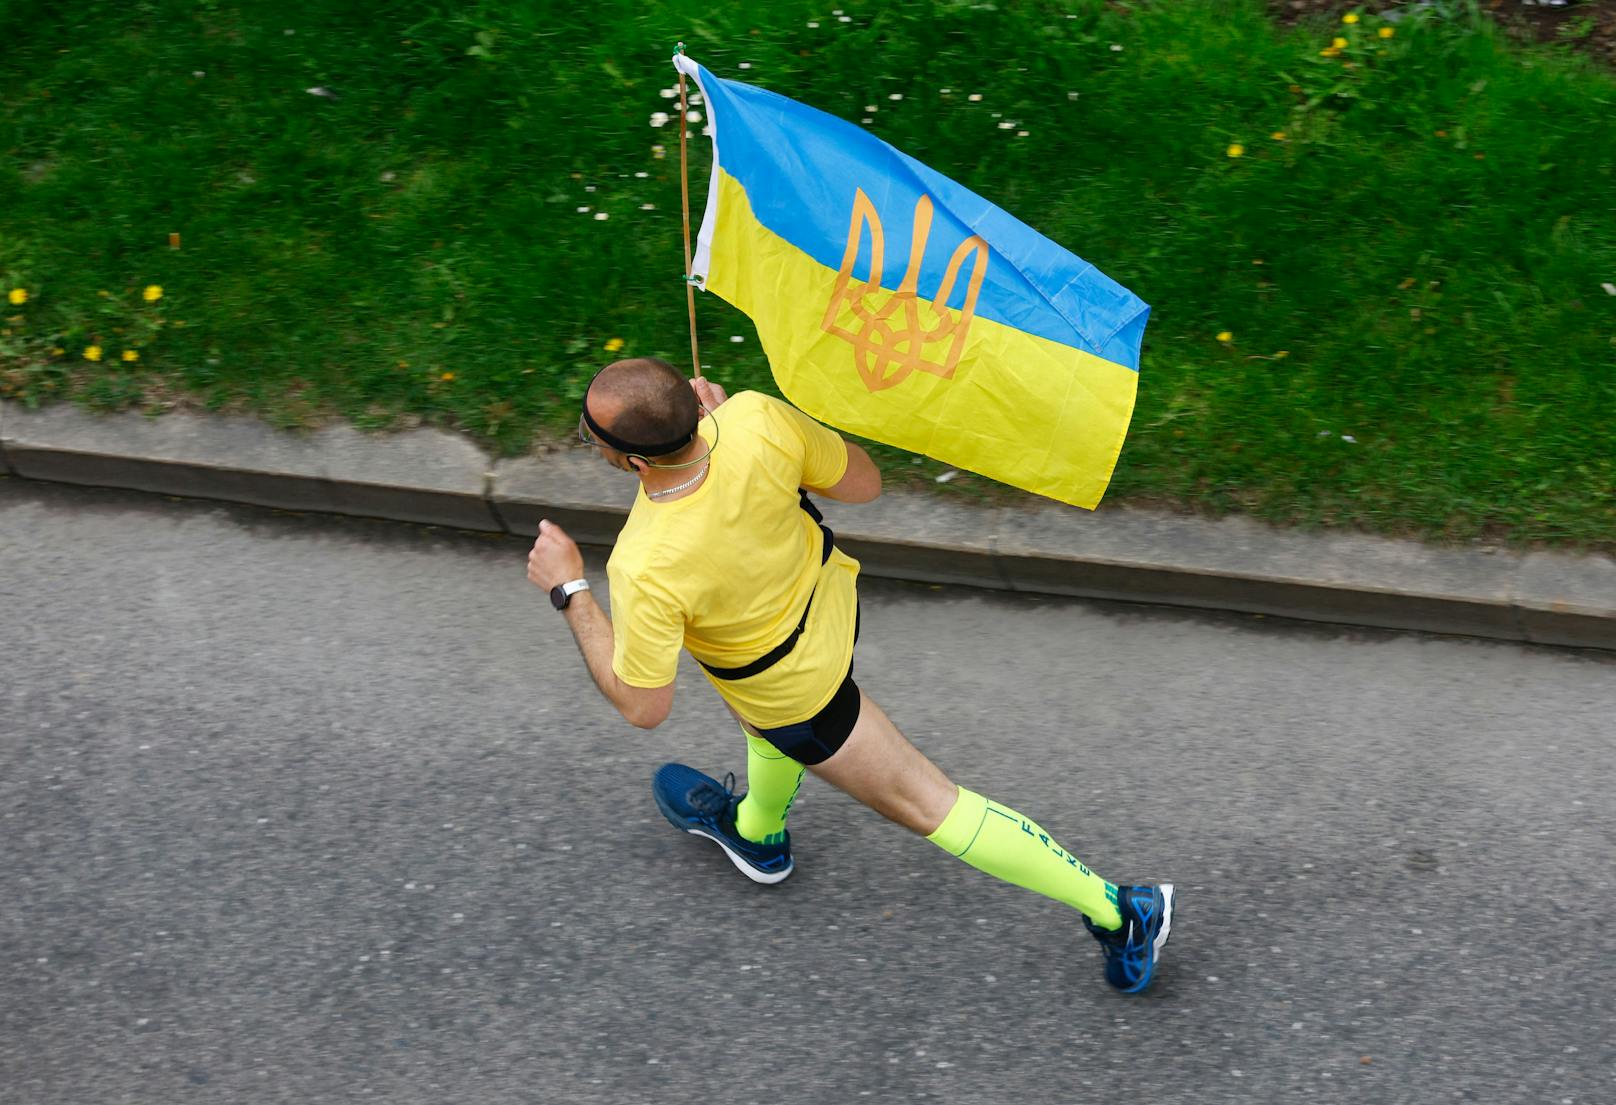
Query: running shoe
[[702, 805], [1131, 951]]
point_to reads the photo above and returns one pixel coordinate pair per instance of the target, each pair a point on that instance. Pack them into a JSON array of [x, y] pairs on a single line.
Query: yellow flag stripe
[[1018, 408]]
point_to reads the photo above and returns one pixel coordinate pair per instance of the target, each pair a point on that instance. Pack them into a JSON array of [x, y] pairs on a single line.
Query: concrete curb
[[438, 478]]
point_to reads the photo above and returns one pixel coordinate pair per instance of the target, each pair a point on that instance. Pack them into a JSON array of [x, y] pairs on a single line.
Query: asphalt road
[[301, 809]]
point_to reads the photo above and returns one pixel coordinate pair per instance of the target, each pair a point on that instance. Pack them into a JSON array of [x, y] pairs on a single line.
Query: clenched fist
[[555, 558], [708, 394]]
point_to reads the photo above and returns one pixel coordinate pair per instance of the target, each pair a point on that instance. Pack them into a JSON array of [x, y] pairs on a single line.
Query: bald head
[[643, 399]]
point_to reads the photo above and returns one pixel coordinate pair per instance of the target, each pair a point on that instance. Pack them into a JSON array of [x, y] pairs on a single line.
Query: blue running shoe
[[702, 805], [1131, 951]]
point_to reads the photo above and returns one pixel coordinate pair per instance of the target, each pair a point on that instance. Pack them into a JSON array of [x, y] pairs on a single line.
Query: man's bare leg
[[880, 768], [877, 765]]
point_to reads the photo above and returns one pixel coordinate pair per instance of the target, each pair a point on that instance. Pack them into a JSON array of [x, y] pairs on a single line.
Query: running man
[[724, 555]]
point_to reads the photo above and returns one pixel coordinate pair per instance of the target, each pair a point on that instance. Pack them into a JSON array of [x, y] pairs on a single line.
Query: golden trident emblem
[[885, 349]]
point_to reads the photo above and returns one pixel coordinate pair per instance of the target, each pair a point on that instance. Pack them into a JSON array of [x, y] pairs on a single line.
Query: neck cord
[[691, 482]]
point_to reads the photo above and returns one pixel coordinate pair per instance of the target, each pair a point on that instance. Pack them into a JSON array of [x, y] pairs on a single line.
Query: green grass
[[1416, 265]]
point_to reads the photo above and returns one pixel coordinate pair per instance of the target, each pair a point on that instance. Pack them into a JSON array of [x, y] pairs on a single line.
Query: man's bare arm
[[592, 629], [554, 560], [861, 483]]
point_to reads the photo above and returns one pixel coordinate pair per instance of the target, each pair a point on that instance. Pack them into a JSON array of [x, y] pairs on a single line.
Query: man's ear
[[637, 464]]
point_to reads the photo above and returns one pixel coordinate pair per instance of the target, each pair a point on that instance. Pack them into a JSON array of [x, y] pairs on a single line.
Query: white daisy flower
[[659, 118]]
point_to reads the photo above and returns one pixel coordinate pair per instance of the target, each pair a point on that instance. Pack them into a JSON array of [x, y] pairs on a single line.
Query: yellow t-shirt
[[726, 571]]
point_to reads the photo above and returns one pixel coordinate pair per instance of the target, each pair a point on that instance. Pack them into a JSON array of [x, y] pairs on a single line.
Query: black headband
[[629, 447]]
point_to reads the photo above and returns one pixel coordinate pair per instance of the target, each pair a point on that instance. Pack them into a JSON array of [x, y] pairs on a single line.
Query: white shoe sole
[[1167, 922], [742, 866]]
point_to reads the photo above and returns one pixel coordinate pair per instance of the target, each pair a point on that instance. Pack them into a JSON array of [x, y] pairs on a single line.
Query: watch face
[[559, 598]]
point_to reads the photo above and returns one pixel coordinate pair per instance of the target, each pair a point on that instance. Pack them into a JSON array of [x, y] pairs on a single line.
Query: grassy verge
[[1376, 268]]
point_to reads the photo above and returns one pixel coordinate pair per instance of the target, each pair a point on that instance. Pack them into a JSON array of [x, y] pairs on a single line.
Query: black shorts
[[820, 737]]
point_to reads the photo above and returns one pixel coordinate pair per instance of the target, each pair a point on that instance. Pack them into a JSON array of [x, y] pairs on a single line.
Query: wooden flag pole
[[684, 195]]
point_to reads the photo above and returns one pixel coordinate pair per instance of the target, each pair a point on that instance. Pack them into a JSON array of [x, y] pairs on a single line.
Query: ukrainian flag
[[897, 305]]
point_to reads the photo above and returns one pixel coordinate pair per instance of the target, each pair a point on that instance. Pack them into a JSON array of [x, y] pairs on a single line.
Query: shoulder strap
[[780, 651]]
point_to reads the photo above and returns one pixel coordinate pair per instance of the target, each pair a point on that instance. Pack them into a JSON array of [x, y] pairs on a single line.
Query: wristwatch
[[561, 594]]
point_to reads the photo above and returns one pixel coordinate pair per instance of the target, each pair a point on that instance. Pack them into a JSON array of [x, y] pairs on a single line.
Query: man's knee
[[931, 804], [918, 799]]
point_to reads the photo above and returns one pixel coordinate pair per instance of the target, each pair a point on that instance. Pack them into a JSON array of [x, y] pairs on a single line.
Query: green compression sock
[[998, 840], [772, 779]]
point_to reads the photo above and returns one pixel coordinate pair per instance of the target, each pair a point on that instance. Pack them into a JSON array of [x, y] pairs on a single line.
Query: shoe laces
[[714, 801]]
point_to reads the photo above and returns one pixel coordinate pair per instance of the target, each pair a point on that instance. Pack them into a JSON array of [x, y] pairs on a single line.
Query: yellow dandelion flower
[[1350, 18], [18, 296], [1329, 52], [1385, 32], [129, 355], [1282, 354], [447, 377], [1278, 136], [92, 352], [613, 345], [1338, 43], [152, 293], [1225, 336], [1236, 150]]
